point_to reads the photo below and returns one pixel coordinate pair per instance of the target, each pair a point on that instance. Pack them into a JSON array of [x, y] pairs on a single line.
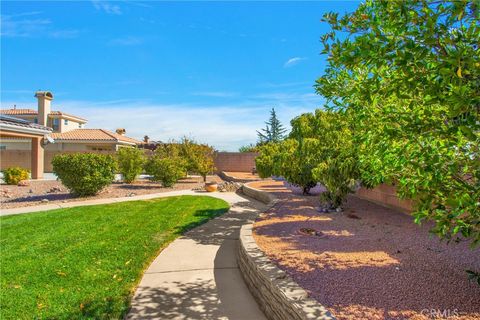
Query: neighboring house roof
[[21, 125], [27, 112], [99, 135]]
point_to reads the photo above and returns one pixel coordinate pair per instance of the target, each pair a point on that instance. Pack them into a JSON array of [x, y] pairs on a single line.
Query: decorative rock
[[23, 183], [229, 186], [30, 191], [45, 200], [54, 190]]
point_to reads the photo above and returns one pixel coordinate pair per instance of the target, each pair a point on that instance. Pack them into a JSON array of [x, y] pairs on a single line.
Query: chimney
[[120, 131], [44, 106]]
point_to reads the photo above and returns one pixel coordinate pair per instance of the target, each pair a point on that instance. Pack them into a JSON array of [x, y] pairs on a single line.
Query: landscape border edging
[[225, 176], [279, 297]]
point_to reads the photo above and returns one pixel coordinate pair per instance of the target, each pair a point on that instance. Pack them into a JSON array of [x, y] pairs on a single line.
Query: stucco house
[[11, 127], [68, 131]]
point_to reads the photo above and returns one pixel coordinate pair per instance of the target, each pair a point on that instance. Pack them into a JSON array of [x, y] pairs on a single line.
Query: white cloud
[[107, 7], [19, 26], [225, 127], [126, 41], [13, 27], [293, 61]]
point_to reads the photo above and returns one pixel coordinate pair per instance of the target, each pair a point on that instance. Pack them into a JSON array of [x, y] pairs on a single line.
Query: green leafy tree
[[318, 149], [273, 131], [407, 72], [268, 161], [203, 159], [165, 170], [325, 153], [130, 163], [248, 148], [199, 157]]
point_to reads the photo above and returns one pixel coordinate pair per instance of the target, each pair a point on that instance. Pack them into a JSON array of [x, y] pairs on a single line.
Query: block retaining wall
[[279, 297]]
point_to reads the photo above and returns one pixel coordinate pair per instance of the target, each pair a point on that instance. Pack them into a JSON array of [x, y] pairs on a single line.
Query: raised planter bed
[[277, 294]]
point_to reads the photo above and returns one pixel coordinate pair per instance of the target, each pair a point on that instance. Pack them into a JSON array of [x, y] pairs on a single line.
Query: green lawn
[[85, 262]]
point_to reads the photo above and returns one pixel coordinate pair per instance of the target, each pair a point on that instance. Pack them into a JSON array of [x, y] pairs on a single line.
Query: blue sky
[[211, 70]]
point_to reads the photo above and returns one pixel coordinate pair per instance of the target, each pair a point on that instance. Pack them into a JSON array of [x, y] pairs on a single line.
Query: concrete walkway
[[196, 276]]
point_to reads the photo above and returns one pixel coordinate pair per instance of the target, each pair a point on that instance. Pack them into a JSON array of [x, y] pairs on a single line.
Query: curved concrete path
[[196, 276]]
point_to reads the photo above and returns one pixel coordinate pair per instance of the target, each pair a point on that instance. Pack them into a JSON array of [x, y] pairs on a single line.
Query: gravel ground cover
[[52, 191], [243, 175], [368, 262]]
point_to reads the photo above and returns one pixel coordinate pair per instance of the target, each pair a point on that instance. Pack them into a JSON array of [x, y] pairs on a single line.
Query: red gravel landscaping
[[54, 191], [368, 262]]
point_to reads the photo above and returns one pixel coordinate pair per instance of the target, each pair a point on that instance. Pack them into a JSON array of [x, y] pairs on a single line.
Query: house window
[[80, 125], [65, 122], [3, 147], [35, 120], [56, 124]]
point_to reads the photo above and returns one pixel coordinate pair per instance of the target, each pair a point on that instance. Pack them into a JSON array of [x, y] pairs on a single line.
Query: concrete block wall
[[385, 195], [278, 295], [15, 158], [235, 161]]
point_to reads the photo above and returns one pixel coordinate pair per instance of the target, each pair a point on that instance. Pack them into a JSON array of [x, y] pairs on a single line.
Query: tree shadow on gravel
[[378, 265]]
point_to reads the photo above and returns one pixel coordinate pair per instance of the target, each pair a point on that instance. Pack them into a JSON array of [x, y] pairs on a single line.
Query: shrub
[[85, 174], [130, 163], [249, 148], [166, 170], [267, 162], [14, 175]]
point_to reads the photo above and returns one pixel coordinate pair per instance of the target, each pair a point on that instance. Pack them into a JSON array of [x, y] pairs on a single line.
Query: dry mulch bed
[[54, 191], [368, 262], [243, 175]]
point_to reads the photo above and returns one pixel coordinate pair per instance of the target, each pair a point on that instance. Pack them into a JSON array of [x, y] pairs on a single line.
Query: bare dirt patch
[[54, 191], [376, 265]]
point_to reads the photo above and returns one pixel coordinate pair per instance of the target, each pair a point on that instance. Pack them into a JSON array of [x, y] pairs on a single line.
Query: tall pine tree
[[273, 132]]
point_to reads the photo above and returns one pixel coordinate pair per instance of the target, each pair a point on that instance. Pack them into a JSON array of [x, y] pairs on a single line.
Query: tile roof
[[20, 112], [93, 135], [4, 119]]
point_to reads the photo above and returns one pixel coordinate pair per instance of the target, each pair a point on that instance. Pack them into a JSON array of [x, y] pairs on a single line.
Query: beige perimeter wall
[[22, 158], [235, 161], [385, 194]]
